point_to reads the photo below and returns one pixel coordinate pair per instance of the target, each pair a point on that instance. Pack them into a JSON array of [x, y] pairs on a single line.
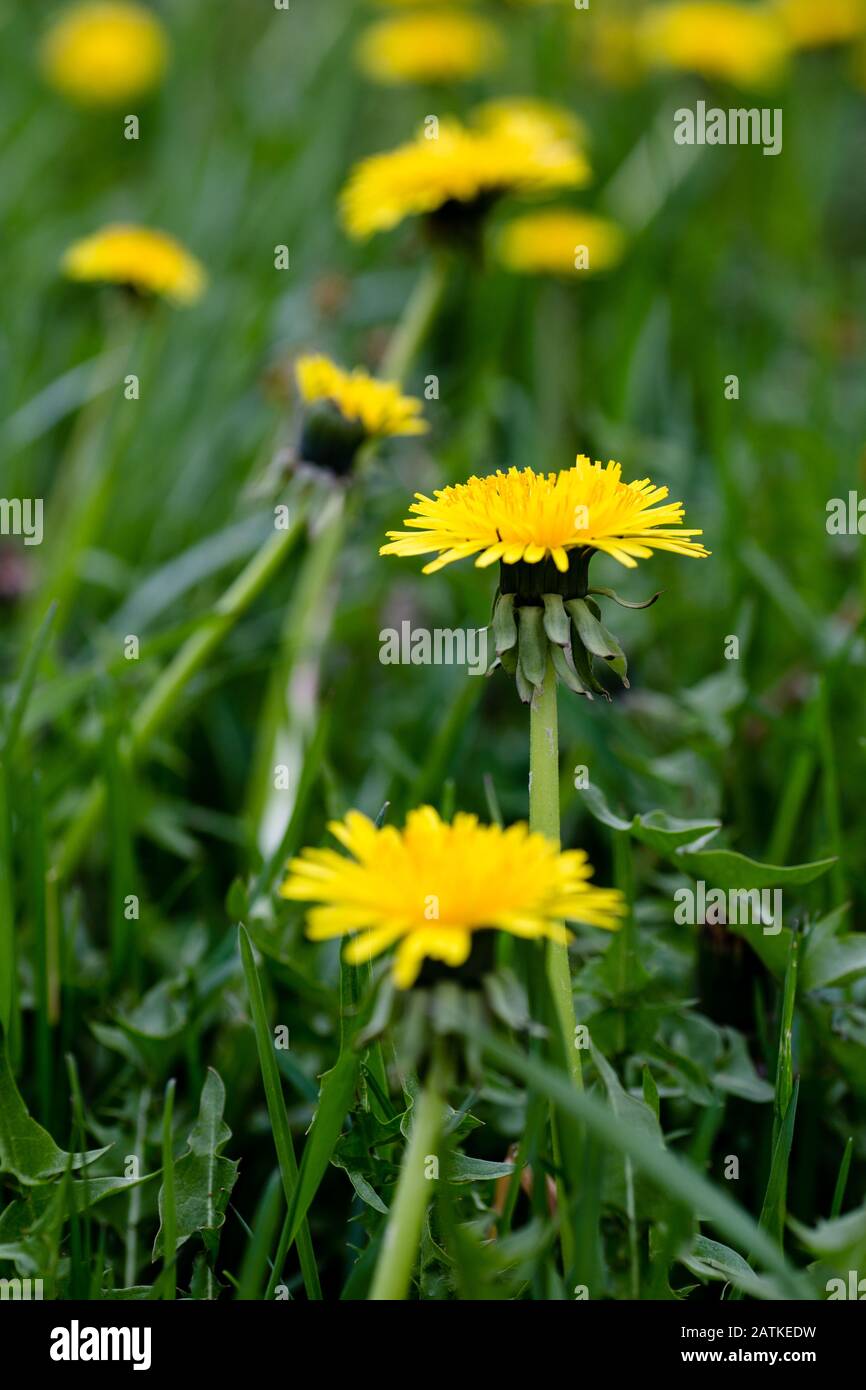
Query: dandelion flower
[[559, 241], [743, 44], [543, 529], [104, 52], [346, 409], [524, 516], [457, 167], [377, 406], [434, 46], [147, 261], [429, 887], [811, 25]]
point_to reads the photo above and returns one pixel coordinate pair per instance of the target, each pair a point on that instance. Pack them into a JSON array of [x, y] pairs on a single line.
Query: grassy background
[[736, 264]]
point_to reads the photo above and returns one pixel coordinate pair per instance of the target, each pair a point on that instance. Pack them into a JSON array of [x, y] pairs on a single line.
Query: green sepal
[[504, 625], [617, 660], [556, 621], [508, 661], [583, 666], [589, 629], [524, 689], [533, 644], [567, 673], [624, 602]]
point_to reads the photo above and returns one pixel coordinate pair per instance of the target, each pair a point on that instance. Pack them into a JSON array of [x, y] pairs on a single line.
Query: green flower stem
[[161, 702], [402, 1238], [169, 1208], [416, 320], [544, 818]]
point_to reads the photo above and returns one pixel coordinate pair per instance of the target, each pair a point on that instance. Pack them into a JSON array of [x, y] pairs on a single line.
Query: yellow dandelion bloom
[[474, 877], [376, 406], [529, 119], [105, 51], [456, 164], [526, 516], [148, 261], [811, 25], [559, 241], [435, 46], [743, 44]]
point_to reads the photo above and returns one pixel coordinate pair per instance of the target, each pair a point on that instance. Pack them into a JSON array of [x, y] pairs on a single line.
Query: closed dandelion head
[[438, 45], [452, 173], [559, 241], [345, 410], [743, 44], [104, 52], [140, 259], [429, 888], [542, 529]]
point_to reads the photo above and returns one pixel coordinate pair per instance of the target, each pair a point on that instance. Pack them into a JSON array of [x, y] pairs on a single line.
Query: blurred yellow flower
[[434, 46], [526, 516], [104, 51], [452, 164], [376, 406], [147, 261], [559, 241], [529, 119], [816, 25], [742, 44], [432, 885]]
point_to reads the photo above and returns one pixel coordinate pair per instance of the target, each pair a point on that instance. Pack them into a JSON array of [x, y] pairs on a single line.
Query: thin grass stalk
[[160, 704], [169, 1209], [131, 1255], [401, 1241], [277, 1115]]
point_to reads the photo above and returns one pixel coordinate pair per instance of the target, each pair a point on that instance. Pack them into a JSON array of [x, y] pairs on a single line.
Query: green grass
[[140, 820]]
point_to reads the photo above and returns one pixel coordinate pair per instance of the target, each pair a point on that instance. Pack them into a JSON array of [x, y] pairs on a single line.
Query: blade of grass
[[277, 1110], [169, 1212], [36, 865], [842, 1179], [257, 1252], [8, 967], [26, 682], [671, 1173]]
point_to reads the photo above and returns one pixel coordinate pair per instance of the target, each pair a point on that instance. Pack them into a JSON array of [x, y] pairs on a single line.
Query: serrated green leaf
[[657, 829], [27, 1151], [726, 868], [462, 1168], [836, 960], [203, 1179]]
